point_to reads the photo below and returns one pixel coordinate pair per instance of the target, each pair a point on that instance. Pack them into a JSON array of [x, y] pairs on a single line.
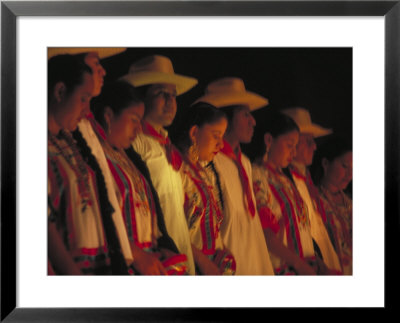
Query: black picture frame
[[10, 10]]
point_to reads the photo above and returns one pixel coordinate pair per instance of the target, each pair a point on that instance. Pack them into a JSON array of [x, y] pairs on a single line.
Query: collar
[[298, 170], [148, 129], [96, 126], [227, 150]]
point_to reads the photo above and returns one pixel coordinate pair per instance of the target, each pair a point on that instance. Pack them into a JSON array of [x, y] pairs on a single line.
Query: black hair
[[272, 122], [164, 241], [230, 112], [118, 264], [198, 114], [331, 148], [81, 56], [142, 90], [67, 69], [118, 96]]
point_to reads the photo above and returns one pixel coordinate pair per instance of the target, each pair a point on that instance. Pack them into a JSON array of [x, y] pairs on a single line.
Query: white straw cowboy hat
[[158, 69], [303, 120], [103, 52], [231, 91]]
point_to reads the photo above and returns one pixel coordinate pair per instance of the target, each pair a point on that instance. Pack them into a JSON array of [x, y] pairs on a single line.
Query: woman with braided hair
[[81, 238], [118, 111], [333, 172], [283, 213], [201, 132]]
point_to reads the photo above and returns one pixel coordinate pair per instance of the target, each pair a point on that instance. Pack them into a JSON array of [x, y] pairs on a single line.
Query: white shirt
[[241, 233], [168, 184], [97, 150], [318, 230]]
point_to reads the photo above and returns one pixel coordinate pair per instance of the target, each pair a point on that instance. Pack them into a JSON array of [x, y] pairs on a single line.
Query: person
[[119, 110], [201, 130], [87, 140], [302, 178], [332, 173], [283, 214], [241, 230], [81, 239], [155, 77]]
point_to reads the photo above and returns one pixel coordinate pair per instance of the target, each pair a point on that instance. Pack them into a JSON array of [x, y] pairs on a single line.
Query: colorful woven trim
[[176, 265], [225, 262]]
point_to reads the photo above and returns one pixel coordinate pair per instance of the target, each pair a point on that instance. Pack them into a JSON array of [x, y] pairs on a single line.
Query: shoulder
[[258, 171], [221, 161], [246, 164], [144, 145]]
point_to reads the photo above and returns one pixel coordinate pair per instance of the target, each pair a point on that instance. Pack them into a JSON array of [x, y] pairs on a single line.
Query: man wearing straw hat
[[156, 78], [302, 179], [241, 229], [92, 56]]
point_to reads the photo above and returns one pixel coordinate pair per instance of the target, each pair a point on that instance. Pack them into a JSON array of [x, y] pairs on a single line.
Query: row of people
[[123, 199]]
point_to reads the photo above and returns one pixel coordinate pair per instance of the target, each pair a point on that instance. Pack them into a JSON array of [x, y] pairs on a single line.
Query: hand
[[207, 267], [302, 268], [147, 264], [333, 272], [321, 267], [166, 253]]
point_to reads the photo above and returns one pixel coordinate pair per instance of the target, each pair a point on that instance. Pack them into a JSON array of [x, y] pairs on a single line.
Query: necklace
[[71, 155], [300, 209], [342, 214], [120, 157], [200, 176], [140, 191], [342, 208]]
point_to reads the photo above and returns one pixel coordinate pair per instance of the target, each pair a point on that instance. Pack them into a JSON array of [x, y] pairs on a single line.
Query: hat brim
[[182, 83], [315, 130], [220, 100], [103, 52]]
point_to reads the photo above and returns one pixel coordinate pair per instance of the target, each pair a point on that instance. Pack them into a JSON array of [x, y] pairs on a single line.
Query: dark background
[[318, 79]]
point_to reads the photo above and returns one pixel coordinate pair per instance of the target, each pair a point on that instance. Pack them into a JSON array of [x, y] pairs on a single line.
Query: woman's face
[[124, 127], [282, 149], [92, 60], [339, 172], [209, 139], [72, 107]]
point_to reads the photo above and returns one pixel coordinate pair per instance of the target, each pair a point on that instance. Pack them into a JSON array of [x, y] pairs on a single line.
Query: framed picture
[[247, 26]]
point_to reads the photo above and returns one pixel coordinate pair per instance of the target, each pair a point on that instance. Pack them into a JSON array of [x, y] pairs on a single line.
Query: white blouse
[[318, 230], [241, 233], [93, 142]]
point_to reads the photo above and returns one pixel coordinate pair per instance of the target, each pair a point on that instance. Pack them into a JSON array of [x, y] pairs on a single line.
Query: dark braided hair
[[67, 69], [118, 264], [165, 241], [218, 182]]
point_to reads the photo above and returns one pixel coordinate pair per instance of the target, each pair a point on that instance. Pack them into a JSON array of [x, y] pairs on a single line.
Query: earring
[[194, 153]]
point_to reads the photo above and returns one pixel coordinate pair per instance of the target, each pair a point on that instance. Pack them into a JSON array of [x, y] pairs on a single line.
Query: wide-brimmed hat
[[231, 91], [158, 69], [103, 52], [303, 120]]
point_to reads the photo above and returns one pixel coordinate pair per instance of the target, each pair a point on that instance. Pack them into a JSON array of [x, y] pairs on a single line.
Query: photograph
[[197, 161]]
